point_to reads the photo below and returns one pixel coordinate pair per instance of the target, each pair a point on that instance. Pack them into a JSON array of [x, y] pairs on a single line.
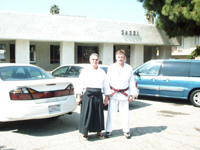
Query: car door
[[148, 78], [174, 77]]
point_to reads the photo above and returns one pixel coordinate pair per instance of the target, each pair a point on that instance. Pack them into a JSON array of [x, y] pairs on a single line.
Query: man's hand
[[107, 98], [130, 98], [78, 99]]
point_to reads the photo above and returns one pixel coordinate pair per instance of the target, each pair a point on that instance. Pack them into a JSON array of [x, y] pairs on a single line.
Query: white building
[[52, 40], [187, 45]]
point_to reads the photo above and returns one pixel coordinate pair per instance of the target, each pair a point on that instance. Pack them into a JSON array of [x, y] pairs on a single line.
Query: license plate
[[54, 109]]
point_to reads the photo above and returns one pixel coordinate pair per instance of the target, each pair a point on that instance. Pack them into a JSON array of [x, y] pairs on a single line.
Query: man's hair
[[94, 54], [120, 52]]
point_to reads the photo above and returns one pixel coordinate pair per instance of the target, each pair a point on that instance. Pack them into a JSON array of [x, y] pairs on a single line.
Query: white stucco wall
[[106, 53], [136, 55], [15, 25], [67, 53], [22, 53]]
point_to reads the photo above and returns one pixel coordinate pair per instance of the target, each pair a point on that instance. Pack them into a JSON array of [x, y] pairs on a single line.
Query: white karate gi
[[119, 78], [91, 78]]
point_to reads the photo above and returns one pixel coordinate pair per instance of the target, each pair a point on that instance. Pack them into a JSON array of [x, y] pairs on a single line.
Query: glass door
[[84, 53]]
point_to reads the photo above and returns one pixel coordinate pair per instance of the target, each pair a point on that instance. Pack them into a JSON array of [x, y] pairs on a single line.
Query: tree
[[150, 15], [54, 10], [195, 53], [176, 17]]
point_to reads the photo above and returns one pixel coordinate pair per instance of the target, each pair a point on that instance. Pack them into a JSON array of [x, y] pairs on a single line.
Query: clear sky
[[119, 10]]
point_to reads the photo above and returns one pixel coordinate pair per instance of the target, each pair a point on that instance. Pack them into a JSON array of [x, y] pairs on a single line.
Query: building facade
[[49, 41], [187, 45]]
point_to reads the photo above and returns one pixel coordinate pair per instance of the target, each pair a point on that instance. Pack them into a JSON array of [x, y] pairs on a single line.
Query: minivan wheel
[[1, 124], [195, 98]]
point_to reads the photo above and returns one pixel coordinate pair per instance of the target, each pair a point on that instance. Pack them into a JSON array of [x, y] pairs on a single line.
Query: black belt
[[119, 90]]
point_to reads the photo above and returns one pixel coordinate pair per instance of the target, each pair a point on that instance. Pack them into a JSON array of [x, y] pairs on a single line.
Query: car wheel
[[1, 124], [195, 98]]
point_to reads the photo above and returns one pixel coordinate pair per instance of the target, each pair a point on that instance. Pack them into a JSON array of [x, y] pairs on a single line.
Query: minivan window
[[195, 69], [151, 69], [175, 69]]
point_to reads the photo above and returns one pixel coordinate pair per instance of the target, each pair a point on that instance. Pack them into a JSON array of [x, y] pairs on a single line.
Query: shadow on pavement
[[136, 104], [147, 130], [139, 131], [45, 127]]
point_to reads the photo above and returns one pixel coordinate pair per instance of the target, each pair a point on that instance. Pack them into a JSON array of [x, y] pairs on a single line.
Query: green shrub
[[194, 53]]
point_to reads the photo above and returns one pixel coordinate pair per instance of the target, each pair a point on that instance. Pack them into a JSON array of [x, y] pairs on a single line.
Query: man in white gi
[[122, 90]]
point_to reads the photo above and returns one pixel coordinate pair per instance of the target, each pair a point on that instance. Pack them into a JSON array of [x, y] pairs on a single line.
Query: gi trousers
[[113, 106], [92, 116]]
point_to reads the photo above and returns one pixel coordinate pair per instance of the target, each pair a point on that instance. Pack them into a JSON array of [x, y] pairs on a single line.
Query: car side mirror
[[137, 73]]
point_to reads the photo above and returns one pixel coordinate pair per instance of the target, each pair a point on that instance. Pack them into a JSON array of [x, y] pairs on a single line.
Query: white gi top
[[120, 78], [91, 78]]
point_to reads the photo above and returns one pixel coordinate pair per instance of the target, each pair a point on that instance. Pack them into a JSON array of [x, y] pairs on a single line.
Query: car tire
[[195, 98], [1, 124]]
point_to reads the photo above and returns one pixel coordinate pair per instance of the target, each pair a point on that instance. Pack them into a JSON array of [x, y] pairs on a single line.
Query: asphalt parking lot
[[155, 124]]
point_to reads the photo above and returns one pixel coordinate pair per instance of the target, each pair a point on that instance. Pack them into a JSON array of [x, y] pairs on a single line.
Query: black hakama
[[91, 117]]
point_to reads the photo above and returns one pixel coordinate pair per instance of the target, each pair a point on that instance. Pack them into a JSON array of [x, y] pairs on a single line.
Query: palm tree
[[54, 10], [150, 15]]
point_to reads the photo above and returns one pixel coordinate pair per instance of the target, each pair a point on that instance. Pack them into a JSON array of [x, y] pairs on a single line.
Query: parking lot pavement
[[155, 124]]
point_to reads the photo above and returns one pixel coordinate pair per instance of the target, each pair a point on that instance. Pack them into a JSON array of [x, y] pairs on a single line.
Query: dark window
[[175, 69], [84, 53], [12, 53], [32, 54], [60, 72], [73, 72], [195, 69], [67, 71], [54, 54]]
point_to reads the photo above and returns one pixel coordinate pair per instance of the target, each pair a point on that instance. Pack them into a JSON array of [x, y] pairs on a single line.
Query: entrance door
[[84, 53], [12, 53]]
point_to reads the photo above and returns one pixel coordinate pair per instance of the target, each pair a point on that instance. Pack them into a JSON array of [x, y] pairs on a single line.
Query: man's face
[[120, 59], [94, 61]]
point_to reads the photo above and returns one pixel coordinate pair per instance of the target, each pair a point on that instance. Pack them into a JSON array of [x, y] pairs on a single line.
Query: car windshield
[[11, 73]]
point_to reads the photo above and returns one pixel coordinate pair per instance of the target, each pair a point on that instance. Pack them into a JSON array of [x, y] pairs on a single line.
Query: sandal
[[85, 137], [100, 136]]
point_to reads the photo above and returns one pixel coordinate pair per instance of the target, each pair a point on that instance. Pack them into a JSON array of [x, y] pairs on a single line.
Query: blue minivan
[[175, 78]]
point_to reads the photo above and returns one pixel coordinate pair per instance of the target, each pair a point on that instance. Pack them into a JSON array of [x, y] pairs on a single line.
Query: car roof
[[176, 60], [82, 65], [15, 64]]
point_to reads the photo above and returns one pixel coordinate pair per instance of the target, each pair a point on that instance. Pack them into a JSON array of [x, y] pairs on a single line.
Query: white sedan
[[28, 92], [71, 72]]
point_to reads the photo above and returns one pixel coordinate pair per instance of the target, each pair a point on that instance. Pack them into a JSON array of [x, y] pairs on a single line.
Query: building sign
[[130, 33]]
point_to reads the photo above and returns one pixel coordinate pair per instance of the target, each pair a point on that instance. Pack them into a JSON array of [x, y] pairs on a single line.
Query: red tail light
[[30, 94], [136, 84]]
